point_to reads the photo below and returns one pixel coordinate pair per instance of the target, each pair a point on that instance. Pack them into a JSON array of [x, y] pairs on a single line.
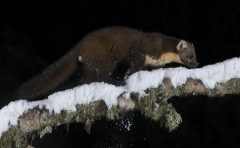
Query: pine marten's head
[[187, 54]]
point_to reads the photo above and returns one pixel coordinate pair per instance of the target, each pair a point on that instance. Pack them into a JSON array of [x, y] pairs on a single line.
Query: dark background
[[33, 34]]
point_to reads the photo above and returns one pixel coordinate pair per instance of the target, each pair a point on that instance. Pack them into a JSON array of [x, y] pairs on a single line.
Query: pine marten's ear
[[182, 45]]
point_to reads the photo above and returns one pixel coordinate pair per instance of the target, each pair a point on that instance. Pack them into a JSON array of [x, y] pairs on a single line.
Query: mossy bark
[[154, 106]]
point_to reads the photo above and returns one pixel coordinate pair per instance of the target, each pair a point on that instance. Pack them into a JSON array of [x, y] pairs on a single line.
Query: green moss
[[78, 119], [173, 119], [156, 107], [147, 103], [212, 92], [113, 113], [88, 125], [157, 113], [231, 87], [67, 126], [47, 129], [12, 138], [180, 90], [149, 106]]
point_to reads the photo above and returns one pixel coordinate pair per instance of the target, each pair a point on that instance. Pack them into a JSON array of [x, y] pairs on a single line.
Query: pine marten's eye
[[191, 57]]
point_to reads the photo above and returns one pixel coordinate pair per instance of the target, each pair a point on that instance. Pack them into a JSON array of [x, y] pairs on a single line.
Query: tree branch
[[153, 106]]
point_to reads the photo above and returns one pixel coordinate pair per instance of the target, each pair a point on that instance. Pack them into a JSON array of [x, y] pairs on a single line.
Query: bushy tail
[[50, 78]]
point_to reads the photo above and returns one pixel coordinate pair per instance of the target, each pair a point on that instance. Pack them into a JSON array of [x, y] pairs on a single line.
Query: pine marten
[[99, 53]]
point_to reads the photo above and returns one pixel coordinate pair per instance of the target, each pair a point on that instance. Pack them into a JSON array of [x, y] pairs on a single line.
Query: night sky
[[33, 34]]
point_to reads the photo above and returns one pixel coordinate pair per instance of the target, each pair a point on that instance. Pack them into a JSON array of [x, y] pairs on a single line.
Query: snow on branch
[[145, 91]]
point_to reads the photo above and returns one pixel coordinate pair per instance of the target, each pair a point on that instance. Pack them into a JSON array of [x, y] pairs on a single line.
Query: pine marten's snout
[[189, 60]]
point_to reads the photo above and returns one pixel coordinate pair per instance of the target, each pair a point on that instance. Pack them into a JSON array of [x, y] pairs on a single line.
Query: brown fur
[[102, 51]]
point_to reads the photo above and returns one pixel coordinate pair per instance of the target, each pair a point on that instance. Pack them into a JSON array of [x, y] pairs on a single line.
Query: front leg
[[136, 61]]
